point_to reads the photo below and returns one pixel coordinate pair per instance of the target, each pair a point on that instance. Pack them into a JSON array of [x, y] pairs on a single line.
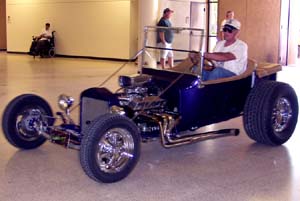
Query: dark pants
[[42, 47]]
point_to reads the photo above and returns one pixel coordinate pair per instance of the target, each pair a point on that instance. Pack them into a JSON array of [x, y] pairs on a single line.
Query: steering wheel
[[208, 65]]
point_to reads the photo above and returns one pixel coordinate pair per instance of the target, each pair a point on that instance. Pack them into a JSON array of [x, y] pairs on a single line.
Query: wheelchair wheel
[[51, 52]]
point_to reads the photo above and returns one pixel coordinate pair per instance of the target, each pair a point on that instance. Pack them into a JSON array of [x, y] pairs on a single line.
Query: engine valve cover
[[133, 80], [149, 102]]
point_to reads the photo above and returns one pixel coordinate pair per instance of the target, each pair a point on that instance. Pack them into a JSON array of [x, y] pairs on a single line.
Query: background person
[[229, 16], [43, 40], [165, 38]]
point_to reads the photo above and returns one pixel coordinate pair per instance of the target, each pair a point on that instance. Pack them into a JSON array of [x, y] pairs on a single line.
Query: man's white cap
[[233, 23]]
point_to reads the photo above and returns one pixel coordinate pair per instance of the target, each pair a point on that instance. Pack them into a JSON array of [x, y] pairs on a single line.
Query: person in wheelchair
[[42, 44]]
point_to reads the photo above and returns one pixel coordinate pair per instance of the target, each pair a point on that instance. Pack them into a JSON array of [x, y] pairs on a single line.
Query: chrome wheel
[[271, 112], [110, 148], [282, 113], [26, 123], [115, 149]]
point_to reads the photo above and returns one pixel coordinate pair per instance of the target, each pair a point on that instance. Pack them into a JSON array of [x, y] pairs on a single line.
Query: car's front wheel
[[20, 118], [110, 148], [271, 112]]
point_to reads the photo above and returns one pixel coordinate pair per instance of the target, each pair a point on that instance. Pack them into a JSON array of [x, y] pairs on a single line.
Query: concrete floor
[[233, 168]]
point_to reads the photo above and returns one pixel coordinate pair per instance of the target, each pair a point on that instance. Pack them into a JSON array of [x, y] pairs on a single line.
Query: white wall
[[98, 28]]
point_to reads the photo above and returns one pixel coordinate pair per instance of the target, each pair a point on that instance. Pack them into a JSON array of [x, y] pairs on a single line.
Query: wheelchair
[[47, 50]]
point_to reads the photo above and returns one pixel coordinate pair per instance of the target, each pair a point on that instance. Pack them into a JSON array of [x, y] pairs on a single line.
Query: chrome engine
[[136, 94]]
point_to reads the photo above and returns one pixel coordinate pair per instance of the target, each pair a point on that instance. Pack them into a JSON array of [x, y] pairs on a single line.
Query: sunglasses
[[229, 30]]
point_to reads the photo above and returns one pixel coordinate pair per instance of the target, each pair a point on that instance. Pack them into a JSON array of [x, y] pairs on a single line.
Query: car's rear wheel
[[271, 113], [21, 116], [110, 148]]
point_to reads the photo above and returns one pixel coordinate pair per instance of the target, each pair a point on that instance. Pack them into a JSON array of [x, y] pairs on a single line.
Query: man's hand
[[208, 65], [162, 37]]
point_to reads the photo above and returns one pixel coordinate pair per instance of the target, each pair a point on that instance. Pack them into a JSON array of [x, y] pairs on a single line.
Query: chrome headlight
[[65, 102]]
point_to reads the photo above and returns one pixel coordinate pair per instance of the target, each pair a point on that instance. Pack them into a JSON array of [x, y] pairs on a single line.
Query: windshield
[[184, 41]]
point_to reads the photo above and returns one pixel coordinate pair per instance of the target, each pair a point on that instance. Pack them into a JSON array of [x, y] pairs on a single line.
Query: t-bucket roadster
[[169, 105]]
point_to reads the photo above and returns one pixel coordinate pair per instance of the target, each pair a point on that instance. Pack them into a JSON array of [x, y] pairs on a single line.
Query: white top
[[46, 33], [240, 50]]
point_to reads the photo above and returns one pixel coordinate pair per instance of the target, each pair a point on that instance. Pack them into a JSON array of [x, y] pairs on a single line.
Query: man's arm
[[219, 56], [45, 34], [162, 37]]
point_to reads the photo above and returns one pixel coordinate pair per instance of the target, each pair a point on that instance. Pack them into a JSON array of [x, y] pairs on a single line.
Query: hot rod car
[[169, 105]]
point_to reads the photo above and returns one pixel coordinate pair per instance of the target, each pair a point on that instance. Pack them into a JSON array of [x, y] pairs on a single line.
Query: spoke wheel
[[282, 114], [116, 148]]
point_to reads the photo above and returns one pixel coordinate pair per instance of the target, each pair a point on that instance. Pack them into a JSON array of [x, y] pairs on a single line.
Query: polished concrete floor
[[233, 168]]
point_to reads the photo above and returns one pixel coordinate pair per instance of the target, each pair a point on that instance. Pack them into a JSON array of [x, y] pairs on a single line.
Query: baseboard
[[13, 52], [80, 57], [91, 57]]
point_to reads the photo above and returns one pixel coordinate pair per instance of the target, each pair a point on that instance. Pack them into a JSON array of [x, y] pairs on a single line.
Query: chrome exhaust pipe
[[166, 124], [188, 139], [168, 141]]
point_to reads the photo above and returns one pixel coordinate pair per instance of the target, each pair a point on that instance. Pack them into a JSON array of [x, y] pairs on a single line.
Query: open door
[[289, 32], [284, 31], [294, 32], [204, 15], [199, 21]]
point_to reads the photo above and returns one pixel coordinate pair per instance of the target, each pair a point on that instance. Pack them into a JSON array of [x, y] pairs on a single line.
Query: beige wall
[[99, 28], [2, 25], [260, 25], [133, 36], [108, 28]]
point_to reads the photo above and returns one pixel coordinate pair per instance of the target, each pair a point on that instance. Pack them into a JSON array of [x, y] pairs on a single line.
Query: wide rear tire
[[271, 113], [110, 148], [18, 121]]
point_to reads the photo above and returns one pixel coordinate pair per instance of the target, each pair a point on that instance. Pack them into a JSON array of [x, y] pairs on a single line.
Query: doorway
[[204, 15], [198, 20], [289, 32]]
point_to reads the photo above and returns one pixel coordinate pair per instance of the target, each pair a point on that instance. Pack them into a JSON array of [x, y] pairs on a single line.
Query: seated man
[[43, 40], [229, 56]]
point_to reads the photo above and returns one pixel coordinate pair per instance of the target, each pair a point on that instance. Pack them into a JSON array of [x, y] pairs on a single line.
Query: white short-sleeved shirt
[[240, 50], [46, 33]]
